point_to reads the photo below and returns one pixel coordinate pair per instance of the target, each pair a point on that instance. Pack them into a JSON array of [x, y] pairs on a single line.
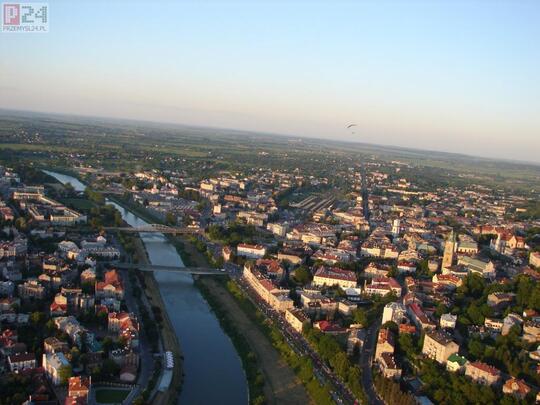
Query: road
[[366, 358], [146, 359], [341, 394], [365, 194]]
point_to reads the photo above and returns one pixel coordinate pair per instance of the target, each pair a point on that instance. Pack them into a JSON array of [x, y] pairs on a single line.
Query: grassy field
[[110, 396], [78, 203]]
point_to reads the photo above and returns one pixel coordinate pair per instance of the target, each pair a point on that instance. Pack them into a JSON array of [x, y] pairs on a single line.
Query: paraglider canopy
[[351, 125]]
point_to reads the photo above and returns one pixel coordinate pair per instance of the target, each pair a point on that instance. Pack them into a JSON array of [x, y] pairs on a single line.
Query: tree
[[360, 317], [64, 372], [302, 275], [170, 219]]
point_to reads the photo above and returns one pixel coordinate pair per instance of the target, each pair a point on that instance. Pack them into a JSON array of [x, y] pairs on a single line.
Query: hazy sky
[[444, 75]]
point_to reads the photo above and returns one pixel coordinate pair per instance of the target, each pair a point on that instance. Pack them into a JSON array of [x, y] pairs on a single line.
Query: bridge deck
[[174, 269]]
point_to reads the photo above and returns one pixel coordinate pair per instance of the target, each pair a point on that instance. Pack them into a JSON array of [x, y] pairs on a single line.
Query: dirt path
[[281, 384]]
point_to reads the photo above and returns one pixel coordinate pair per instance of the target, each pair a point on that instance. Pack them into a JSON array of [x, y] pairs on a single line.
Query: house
[[334, 276], [294, 256], [385, 343], [448, 280], [329, 328], [271, 268], [32, 288], [388, 366], [356, 339], [377, 270], [419, 317], [382, 286], [126, 325], [111, 287], [494, 326], [500, 300], [78, 388], [22, 361], [438, 345], [55, 345], [531, 331], [448, 321], [483, 373], [517, 388], [534, 259], [456, 363], [53, 363]]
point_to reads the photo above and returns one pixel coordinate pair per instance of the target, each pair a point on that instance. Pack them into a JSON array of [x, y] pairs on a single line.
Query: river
[[212, 368]]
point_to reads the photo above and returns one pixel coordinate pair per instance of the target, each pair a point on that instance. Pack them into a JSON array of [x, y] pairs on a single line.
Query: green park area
[[110, 395]]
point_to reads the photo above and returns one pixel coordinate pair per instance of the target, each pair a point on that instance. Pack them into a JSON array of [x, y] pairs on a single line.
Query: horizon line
[[282, 135]]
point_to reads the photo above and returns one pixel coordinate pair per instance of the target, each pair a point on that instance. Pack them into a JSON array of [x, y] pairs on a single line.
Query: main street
[[341, 394], [366, 362]]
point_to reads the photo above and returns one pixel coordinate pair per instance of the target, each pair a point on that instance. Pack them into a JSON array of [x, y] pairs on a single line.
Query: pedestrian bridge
[[171, 269], [154, 228]]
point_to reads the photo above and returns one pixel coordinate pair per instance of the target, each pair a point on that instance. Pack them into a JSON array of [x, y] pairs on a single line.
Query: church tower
[[449, 250]]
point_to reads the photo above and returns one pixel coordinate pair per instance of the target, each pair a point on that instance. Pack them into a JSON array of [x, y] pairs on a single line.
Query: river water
[[212, 368]]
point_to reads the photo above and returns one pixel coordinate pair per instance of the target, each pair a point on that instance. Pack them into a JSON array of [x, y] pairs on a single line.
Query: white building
[[394, 312], [251, 251], [448, 321], [334, 276]]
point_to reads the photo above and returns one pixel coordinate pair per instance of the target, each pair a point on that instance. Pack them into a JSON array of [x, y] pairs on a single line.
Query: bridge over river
[[171, 269], [154, 228]]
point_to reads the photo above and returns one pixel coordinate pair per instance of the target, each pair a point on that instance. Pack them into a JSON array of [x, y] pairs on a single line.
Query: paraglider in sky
[[351, 126]]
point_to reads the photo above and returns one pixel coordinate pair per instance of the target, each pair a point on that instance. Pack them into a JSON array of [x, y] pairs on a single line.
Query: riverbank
[[169, 339], [272, 376]]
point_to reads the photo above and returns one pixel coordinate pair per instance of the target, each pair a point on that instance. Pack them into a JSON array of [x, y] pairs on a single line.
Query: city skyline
[[459, 78]]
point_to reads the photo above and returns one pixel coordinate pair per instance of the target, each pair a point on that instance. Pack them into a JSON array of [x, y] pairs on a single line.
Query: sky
[[457, 76]]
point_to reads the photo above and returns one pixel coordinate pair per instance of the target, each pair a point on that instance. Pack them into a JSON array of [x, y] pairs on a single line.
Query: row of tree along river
[[212, 368]]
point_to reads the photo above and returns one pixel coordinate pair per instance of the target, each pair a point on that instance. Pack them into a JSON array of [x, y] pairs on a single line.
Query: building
[[385, 343], [329, 327], [251, 251], [111, 287], [517, 388], [438, 345], [382, 286], [54, 345], [32, 289], [483, 373], [394, 312], [356, 339], [448, 321], [419, 317], [22, 361], [78, 389], [296, 318], [330, 276], [267, 288], [53, 363], [449, 251], [456, 363], [388, 366], [534, 259], [126, 326]]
